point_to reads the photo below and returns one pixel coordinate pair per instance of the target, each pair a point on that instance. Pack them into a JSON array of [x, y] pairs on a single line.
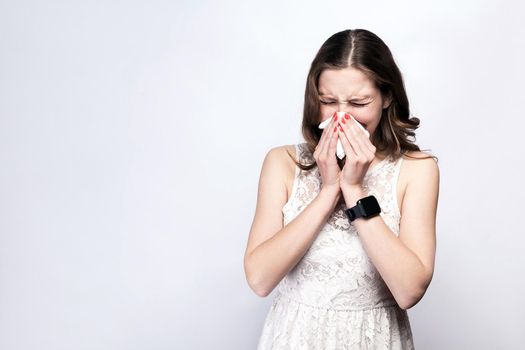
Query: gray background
[[131, 140]]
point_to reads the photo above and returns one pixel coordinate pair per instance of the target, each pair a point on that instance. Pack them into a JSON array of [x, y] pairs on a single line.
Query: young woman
[[345, 281]]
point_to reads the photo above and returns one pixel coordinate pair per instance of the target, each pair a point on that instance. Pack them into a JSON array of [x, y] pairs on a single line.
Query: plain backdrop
[[132, 135]]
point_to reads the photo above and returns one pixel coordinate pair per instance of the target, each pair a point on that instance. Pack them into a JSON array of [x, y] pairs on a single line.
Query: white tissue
[[339, 149]]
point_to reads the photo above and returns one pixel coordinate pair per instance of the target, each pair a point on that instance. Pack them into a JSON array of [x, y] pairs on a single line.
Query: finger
[[362, 137], [348, 136], [323, 134], [319, 145], [329, 139], [346, 144], [356, 139], [326, 139], [333, 143]]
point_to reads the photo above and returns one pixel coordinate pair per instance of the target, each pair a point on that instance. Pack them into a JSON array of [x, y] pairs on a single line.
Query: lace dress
[[334, 298]]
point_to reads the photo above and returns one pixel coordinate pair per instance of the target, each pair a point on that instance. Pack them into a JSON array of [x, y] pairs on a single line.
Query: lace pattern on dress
[[334, 298], [307, 184]]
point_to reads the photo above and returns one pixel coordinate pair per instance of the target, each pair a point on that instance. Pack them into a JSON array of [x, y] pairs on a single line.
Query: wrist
[[352, 194], [332, 190], [331, 193]]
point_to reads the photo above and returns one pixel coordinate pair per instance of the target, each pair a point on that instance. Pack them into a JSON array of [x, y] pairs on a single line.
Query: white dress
[[334, 298]]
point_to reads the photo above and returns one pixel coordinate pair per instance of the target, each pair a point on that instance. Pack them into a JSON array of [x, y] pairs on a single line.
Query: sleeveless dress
[[334, 298]]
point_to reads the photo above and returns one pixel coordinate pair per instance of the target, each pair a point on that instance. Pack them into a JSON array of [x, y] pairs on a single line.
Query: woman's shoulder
[[285, 165], [419, 164], [283, 152], [280, 151], [280, 156], [418, 157]]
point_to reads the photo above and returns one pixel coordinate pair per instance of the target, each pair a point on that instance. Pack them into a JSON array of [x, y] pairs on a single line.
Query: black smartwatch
[[365, 208]]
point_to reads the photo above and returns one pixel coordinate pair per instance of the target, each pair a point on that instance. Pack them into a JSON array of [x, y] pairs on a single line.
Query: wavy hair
[[363, 50]]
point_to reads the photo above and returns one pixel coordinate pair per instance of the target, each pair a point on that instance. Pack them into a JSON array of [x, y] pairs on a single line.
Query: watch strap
[[359, 210], [354, 212]]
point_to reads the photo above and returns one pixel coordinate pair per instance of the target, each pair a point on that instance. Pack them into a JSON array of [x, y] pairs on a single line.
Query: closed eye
[[353, 104]]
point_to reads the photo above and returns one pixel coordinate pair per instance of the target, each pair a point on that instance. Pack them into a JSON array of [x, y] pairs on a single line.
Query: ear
[[387, 100]]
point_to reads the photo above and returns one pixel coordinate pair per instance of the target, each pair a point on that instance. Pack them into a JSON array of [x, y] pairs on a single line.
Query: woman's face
[[350, 90]]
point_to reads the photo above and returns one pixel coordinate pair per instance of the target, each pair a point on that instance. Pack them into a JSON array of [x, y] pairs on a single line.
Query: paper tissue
[[340, 150]]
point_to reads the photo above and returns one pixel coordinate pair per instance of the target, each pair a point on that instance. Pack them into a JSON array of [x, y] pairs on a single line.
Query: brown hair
[[363, 50]]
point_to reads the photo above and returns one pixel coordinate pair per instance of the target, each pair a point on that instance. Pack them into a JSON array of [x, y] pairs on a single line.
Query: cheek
[[366, 115], [326, 112]]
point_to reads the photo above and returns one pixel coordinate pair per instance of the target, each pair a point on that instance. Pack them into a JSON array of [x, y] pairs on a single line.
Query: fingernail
[[344, 121], [335, 129], [335, 116], [346, 116], [340, 128]]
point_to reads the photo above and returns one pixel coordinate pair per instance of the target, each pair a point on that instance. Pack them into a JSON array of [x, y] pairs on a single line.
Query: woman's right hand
[[325, 157]]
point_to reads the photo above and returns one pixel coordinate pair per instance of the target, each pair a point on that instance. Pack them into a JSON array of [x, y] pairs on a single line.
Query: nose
[[343, 107]]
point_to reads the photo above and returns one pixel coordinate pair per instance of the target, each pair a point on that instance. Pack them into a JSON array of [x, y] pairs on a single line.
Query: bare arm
[[272, 249], [405, 262]]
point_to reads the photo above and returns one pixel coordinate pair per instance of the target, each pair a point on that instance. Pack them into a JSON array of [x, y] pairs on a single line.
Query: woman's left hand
[[360, 153]]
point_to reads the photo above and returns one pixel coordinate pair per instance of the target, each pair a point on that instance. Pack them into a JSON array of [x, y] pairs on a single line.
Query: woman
[[346, 282]]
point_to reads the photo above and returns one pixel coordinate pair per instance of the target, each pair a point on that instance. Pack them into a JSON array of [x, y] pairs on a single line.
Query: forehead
[[348, 82]]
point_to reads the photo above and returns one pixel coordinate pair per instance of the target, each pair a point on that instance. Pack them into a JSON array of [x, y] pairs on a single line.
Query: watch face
[[369, 205]]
